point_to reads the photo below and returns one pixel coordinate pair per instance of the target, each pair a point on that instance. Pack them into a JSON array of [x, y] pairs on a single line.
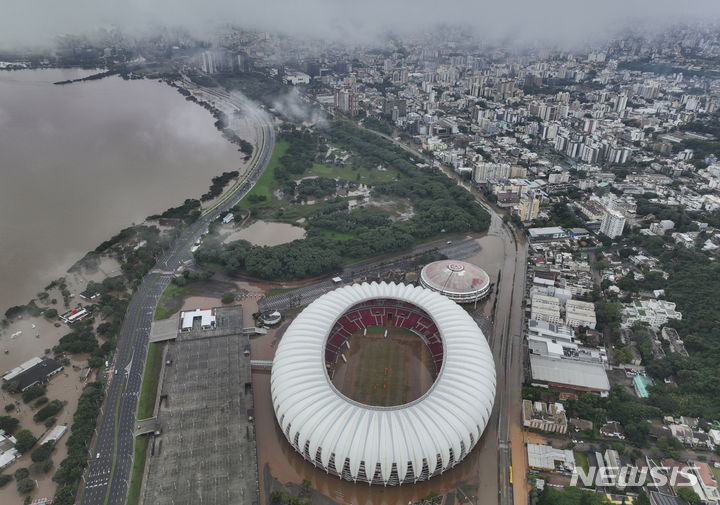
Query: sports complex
[[384, 384], [460, 281]]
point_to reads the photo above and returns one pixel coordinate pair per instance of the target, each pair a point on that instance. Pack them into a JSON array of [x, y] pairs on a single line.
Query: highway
[[506, 342], [111, 454]]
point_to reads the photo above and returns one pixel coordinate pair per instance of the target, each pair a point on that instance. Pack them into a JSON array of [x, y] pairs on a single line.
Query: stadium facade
[[389, 445], [460, 281]]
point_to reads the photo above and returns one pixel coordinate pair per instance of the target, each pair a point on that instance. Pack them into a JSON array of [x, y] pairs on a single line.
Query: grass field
[[136, 476], [151, 379], [367, 176], [581, 460], [265, 185], [384, 371]]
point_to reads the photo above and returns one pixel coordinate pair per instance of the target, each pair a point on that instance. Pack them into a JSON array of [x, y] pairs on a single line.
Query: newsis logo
[[632, 476]]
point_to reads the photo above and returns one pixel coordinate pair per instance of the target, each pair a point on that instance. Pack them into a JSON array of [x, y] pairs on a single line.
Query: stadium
[[392, 435], [460, 281]]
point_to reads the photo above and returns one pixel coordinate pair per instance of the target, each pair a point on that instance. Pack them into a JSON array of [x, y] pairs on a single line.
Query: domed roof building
[[385, 445], [460, 281]]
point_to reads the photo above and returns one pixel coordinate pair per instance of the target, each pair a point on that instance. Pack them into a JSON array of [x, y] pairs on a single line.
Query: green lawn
[[266, 183], [164, 310], [581, 460], [151, 379], [136, 477]]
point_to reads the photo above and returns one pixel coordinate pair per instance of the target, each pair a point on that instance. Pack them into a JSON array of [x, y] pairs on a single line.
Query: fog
[[37, 23]]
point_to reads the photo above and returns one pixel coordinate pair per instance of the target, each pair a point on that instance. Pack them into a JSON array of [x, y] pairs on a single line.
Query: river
[[79, 162]]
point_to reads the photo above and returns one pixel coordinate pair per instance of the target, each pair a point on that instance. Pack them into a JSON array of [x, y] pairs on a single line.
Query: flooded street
[[79, 162]]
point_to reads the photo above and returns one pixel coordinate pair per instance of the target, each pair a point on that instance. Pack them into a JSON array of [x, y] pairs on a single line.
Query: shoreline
[[69, 267]]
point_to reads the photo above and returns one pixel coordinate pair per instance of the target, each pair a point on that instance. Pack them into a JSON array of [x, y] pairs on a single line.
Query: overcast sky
[[38, 22]]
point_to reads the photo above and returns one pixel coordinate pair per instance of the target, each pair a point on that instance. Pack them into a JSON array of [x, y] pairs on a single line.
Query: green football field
[[385, 371]]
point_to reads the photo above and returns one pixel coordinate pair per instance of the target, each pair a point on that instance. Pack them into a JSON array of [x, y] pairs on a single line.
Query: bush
[[42, 401], [43, 452], [8, 424], [25, 485], [227, 298], [49, 410], [25, 441], [33, 392], [9, 407], [5, 479], [50, 313], [21, 473]]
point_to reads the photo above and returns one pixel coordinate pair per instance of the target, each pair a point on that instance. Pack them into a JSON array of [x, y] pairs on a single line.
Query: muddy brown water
[[82, 161]]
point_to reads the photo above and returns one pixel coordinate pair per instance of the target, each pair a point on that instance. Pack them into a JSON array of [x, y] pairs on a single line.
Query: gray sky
[[37, 22]]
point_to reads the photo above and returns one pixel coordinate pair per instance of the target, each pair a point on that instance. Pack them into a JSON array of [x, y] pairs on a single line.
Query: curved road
[[111, 454]]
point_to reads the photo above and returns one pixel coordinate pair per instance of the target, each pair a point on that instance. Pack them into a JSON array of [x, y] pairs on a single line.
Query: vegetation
[[5, 480], [43, 452], [228, 298], [33, 392], [336, 235], [218, 184], [571, 496], [8, 424], [71, 468], [620, 406], [189, 211], [25, 441], [49, 410], [136, 475], [151, 379]]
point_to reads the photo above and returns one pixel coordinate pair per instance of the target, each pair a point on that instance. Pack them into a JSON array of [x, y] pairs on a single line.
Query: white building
[[545, 308], [578, 313], [653, 312], [612, 224]]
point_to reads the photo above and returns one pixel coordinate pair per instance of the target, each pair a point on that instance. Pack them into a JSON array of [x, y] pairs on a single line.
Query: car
[[97, 456]]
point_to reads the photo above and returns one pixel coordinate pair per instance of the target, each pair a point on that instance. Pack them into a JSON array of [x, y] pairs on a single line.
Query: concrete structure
[[654, 312], [460, 281], [34, 371], [393, 444], [55, 434], [553, 232], [205, 316], [612, 223], [544, 416], [546, 457], [8, 453], [205, 452], [545, 308], [579, 313], [569, 374]]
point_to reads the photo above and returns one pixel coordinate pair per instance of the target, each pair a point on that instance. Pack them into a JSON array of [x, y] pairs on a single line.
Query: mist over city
[[369, 253]]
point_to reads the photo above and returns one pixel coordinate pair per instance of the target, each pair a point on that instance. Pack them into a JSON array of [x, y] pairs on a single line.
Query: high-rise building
[[612, 223]]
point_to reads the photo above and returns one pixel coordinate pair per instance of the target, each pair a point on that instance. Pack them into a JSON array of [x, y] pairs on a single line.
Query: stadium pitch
[[384, 370]]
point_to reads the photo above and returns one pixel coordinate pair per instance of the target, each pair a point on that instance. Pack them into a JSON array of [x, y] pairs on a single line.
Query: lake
[[79, 162]]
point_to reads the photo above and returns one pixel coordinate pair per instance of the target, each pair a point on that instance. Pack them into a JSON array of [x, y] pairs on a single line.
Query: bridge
[[258, 364]]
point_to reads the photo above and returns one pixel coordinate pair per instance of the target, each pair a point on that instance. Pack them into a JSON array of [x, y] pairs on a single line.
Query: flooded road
[[80, 162]]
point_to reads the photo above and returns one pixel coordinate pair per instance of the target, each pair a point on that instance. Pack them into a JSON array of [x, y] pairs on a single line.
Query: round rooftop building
[[460, 281], [383, 444]]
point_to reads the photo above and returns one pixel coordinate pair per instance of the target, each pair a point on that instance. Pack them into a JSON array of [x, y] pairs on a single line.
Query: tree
[[64, 496], [8, 423], [227, 298], [26, 485], [5, 479], [33, 392], [22, 473], [689, 496], [277, 497], [50, 313], [25, 441], [43, 452]]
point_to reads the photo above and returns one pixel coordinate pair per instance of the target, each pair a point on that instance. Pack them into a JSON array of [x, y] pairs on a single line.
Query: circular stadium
[[346, 378], [460, 281]]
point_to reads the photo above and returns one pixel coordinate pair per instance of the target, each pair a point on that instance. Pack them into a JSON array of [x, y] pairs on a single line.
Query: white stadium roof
[[435, 431]]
